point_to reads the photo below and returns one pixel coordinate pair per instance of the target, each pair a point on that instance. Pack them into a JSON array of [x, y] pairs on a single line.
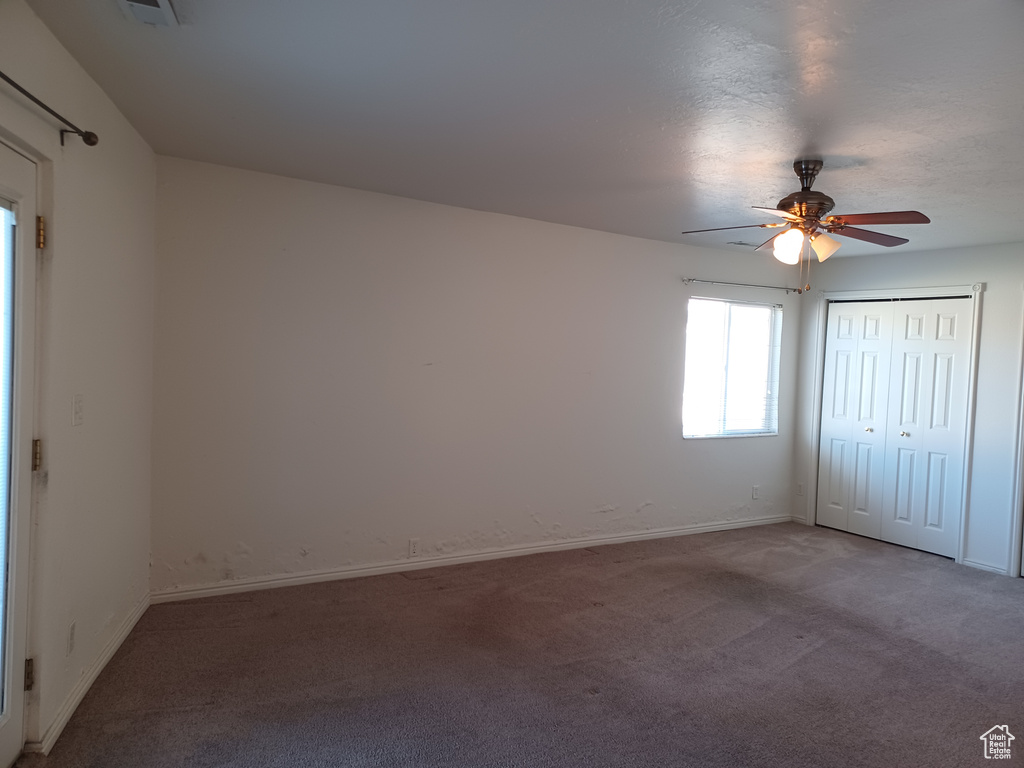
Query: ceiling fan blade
[[777, 212], [888, 217], [763, 246], [720, 229], [871, 237]]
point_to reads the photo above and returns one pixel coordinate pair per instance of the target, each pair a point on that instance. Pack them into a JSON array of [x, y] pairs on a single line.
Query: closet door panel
[[922, 507], [868, 455], [910, 381], [854, 409], [899, 521], [935, 491], [866, 480], [909, 392], [949, 326], [836, 420], [832, 486]]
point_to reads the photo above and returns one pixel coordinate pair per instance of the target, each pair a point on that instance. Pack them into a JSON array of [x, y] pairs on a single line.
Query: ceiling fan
[[806, 220]]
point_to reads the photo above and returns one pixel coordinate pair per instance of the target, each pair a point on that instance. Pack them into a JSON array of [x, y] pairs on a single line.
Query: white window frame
[[771, 421]]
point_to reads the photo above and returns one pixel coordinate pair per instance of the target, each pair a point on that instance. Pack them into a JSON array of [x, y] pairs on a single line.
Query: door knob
[[868, 429], [904, 434]]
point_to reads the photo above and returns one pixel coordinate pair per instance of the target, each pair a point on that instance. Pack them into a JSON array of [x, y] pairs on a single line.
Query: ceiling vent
[[157, 13]]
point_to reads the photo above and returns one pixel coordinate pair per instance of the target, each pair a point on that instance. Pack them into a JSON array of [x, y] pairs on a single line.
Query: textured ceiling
[[632, 116]]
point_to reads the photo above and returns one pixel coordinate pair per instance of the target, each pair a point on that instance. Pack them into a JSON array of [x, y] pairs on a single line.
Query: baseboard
[[986, 567], [397, 566], [89, 675]]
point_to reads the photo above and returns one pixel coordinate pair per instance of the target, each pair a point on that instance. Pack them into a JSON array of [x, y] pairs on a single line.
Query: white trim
[[972, 387], [925, 292], [397, 566], [986, 567], [811, 484], [1017, 519], [89, 675], [24, 389]]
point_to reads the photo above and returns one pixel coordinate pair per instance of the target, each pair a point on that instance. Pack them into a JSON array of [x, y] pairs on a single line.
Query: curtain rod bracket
[[90, 138]]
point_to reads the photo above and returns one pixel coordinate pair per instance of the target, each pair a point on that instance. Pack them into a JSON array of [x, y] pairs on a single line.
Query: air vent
[[157, 13]]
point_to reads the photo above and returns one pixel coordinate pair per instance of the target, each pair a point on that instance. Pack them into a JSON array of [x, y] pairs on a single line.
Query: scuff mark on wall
[[592, 521], [476, 541]]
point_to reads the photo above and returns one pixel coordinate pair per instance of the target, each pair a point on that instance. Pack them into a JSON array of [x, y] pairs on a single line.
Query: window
[[731, 368]]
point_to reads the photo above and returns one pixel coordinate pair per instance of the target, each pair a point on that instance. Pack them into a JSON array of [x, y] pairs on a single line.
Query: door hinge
[[40, 232], [30, 674], [37, 455]]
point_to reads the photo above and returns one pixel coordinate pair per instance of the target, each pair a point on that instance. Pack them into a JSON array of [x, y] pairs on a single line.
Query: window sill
[[736, 434]]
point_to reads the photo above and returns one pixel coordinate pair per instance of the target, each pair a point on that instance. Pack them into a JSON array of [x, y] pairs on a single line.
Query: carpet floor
[[781, 645]]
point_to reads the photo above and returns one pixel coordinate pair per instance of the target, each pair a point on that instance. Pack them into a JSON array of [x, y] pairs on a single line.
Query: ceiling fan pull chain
[[805, 255], [800, 270], [807, 285]]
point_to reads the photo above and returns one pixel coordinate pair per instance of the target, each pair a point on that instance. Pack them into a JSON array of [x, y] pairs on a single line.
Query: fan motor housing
[[807, 204]]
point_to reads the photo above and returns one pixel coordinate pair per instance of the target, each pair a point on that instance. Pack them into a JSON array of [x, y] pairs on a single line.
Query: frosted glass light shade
[[824, 245], [788, 246]]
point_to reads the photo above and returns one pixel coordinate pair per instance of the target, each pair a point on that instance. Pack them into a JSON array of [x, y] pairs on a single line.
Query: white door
[[927, 424], [17, 314], [852, 452], [894, 419]]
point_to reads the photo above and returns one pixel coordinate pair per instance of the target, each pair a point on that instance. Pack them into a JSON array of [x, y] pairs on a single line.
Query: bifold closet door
[[894, 419], [927, 422], [853, 413]]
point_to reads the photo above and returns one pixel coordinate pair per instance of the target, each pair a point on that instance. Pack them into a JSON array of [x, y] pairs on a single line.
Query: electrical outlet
[[71, 639], [799, 489], [754, 491], [414, 547], [76, 411]]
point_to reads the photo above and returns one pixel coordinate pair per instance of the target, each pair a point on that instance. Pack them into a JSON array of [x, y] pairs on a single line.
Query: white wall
[[91, 526], [991, 534], [338, 371]]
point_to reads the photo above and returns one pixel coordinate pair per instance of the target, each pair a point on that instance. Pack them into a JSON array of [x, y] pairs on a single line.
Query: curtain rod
[[692, 280], [90, 138]]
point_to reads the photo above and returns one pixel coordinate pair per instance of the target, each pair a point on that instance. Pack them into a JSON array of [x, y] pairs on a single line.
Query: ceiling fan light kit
[[823, 245], [788, 245], [808, 221]]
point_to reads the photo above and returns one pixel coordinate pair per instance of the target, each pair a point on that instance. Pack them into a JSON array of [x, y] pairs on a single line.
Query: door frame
[[24, 424], [1016, 567], [823, 299]]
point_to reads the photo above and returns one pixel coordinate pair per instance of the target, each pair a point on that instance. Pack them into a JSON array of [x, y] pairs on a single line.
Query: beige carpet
[[779, 646]]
